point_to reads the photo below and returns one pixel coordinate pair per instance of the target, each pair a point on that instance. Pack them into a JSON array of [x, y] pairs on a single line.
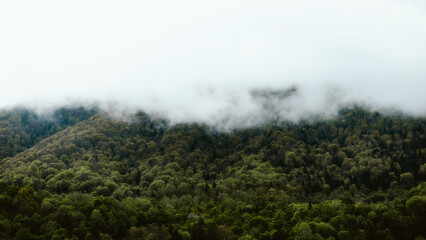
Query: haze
[[201, 61]]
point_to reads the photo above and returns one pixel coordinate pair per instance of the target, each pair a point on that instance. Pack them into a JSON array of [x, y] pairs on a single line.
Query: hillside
[[360, 175]]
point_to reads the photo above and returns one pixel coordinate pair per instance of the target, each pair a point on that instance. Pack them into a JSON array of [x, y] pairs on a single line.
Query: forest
[[79, 173]]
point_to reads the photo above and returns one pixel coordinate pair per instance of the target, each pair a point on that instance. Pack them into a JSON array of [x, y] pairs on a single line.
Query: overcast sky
[[199, 60]]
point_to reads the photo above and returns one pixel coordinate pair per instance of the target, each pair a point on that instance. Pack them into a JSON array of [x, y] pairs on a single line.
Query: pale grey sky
[[199, 60]]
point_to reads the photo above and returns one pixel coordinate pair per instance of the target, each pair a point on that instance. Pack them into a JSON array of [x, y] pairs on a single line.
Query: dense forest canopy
[[78, 173]]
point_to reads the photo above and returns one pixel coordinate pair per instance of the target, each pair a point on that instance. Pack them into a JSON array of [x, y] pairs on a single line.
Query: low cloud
[[232, 63]]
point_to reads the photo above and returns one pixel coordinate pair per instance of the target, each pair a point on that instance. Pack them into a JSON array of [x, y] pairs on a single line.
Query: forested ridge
[[78, 173]]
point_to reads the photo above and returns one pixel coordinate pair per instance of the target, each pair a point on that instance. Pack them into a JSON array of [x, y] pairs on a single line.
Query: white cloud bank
[[199, 60]]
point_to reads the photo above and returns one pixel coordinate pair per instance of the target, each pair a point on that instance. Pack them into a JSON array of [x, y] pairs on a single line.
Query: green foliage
[[83, 175]]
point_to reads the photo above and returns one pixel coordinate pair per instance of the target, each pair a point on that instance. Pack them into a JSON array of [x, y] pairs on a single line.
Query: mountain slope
[[280, 181], [22, 128]]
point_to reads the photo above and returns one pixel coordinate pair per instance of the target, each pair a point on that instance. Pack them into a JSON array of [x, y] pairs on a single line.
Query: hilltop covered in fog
[[197, 61], [212, 120]]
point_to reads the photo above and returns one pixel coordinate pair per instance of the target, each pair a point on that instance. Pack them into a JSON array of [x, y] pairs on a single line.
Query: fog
[[219, 62]]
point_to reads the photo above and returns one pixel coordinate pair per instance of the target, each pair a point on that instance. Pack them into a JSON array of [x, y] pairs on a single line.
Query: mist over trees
[[81, 174], [261, 120]]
